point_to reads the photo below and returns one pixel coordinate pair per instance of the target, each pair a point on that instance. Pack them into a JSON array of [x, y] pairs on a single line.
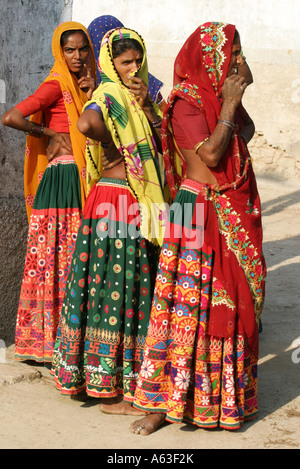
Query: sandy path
[[33, 414]]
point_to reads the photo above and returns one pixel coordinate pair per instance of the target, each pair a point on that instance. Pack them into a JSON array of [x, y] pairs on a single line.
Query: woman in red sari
[[200, 358]]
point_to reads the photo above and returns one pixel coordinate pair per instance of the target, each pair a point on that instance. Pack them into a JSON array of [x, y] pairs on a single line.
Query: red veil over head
[[203, 61], [232, 209], [200, 70]]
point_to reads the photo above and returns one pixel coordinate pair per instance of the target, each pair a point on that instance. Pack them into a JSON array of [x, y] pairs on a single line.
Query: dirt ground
[[34, 415]]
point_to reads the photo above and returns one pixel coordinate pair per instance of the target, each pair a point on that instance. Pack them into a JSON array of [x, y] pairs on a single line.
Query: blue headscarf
[[98, 27]]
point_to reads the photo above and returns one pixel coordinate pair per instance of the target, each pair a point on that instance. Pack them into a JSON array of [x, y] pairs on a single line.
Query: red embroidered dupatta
[[232, 225]]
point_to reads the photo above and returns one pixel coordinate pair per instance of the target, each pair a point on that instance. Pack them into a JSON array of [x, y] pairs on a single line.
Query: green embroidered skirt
[[106, 311]]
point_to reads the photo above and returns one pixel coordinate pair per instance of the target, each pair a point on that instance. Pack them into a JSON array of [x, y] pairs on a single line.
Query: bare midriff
[[62, 150], [196, 169], [117, 172]]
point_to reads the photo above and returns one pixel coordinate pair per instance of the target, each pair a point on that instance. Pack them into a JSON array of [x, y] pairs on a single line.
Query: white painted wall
[[269, 31], [269, 28]]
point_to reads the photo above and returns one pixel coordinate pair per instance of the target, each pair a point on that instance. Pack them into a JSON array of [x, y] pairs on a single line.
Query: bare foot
[[148, 424], [117, 406]]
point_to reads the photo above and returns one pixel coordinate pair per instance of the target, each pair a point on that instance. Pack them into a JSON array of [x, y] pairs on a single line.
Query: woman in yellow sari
[[55, 186], [108, 301]]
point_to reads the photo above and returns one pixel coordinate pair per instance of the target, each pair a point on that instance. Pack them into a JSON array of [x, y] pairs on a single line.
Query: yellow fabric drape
[[132, 135], [74, 99]]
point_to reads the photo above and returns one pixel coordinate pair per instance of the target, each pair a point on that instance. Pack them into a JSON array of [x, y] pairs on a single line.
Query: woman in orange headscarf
[[55, 187]]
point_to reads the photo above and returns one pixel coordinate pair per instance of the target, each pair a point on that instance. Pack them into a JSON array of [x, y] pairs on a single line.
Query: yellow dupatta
[[74, 99], [132, 135]]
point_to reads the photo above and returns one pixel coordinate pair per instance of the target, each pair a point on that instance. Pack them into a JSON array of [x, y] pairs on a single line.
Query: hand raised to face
[[86, 81], [140, 90], [233, 89]]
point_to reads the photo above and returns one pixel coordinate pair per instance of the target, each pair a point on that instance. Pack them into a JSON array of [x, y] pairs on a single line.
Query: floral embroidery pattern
[[51, 241], [40, 175], [67, 97], [252, 208], [212, 38], [188, 374], [83, 173], [219, 295], [239, 243], [106, 308], [29, 199]]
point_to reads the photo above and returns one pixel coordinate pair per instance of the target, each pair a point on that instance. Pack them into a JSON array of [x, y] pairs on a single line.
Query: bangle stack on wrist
[[157, 123], [36, 130], [228, 123]]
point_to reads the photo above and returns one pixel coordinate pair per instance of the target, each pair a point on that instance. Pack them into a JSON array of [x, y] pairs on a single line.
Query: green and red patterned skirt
[[53, 228], [106, 311], [186, 373]]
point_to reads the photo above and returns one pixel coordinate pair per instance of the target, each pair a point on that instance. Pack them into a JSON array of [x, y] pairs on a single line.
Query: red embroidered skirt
[[186, 373], [52, 234]]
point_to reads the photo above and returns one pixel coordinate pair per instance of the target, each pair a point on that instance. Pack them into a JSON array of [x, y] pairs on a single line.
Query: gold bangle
[[199, 145]]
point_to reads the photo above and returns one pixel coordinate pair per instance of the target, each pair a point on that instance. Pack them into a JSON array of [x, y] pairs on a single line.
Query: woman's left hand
[[140, 90], [86, 82]]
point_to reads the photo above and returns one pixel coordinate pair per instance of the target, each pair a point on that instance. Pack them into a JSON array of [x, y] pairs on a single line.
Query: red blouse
[[48, 98], [190, 126]]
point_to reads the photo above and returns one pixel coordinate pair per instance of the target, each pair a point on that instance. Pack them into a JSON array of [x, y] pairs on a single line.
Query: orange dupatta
[[74, 98]]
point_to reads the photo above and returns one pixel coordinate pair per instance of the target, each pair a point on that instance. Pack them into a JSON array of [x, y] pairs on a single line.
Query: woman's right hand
[[86, 82], [140, 90], [57, 142], [233, 89]]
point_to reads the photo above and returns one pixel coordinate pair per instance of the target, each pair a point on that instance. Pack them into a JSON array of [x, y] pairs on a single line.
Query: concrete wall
[[270, 36], [269, 31], [26, 28]]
